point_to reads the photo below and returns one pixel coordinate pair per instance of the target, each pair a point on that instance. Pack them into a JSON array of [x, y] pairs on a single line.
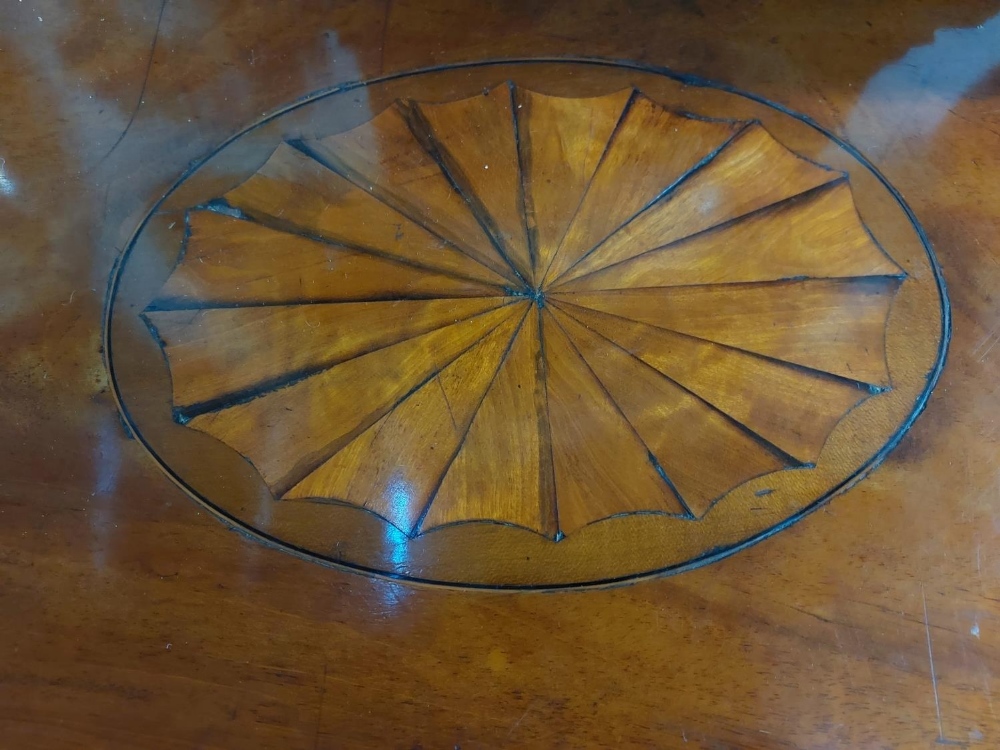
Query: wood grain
[[562, 142], [292, 191], [836, 326], [288, 432], [650, 151], [503, 469], [383, 156], [477, 141], [230, 261], [215, 353], [819, 236], [750, 172], [793, 408], [585, 422], [680, 431], [394, 466]]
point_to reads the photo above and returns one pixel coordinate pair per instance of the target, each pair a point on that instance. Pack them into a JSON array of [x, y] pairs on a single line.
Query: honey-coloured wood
[[130, 617], [562, 143], [293, 191], [555, 315], [383, 156], [476, 139], [651, 151]]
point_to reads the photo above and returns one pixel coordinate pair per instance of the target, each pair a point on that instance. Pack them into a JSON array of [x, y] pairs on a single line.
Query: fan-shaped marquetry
[[751, 172], [476, 139], [289, 432], [816, 235], [592, 483], [835, 326], [703, 453], [528, 310], [223, 353], [230, 261], [503, 469], [383, 156], [562, 141], [295, 192], [651, 150], [791, 407], [393, 467]]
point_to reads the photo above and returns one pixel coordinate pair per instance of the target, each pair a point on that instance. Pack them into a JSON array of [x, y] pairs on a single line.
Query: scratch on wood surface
[[930, 657]]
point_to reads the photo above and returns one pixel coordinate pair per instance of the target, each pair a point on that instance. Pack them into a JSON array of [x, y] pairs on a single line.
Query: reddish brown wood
[[131, 618]]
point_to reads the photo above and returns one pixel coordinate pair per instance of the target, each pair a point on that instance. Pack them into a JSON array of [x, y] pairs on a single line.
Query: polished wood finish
[[130, 617], [743, 317]]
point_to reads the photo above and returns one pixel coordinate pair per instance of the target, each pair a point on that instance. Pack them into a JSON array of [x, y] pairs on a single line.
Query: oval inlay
[[532, 324]]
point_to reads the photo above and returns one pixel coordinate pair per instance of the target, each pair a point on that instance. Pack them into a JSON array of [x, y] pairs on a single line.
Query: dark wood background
[[131, 618]]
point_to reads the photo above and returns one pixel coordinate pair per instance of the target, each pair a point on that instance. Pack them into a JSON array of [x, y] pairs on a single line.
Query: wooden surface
[[717, 341], [130, 617]]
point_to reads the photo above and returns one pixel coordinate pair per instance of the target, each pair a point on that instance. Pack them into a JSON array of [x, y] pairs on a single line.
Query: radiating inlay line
[[602, 467], [652, 152], [476, 141], [432, 497], [815, 234], [383, 157], [226, 356], [501, 473], [561, 144], [392, 467], [703, 452], [560, 238], [309, 421], [228, 261], [832, 325], [295, 193], [723, 379], [751, 171]]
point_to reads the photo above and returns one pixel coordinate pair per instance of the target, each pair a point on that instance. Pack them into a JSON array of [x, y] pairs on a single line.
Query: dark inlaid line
[[424, 134], [779, 453], [597, 170], [664, 194], [178, 304], [548, 489], [522, 149], [782, 206], [184, 414], [649, 454], [264, 219], [859, 384], [337, 166], [432, 496], [880, 279], [311, 463]]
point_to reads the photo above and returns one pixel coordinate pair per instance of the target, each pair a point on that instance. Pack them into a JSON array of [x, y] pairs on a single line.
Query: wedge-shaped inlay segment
[[791, 407], [392, 468], [650, 151], [294, 192], [229, 261], [751, 172], [228, 353], [384, 156], [477, 140], [503, 471], [819, 235], [702, 452], [562, 142], [592, 483], [835, 326], [289, 432]]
